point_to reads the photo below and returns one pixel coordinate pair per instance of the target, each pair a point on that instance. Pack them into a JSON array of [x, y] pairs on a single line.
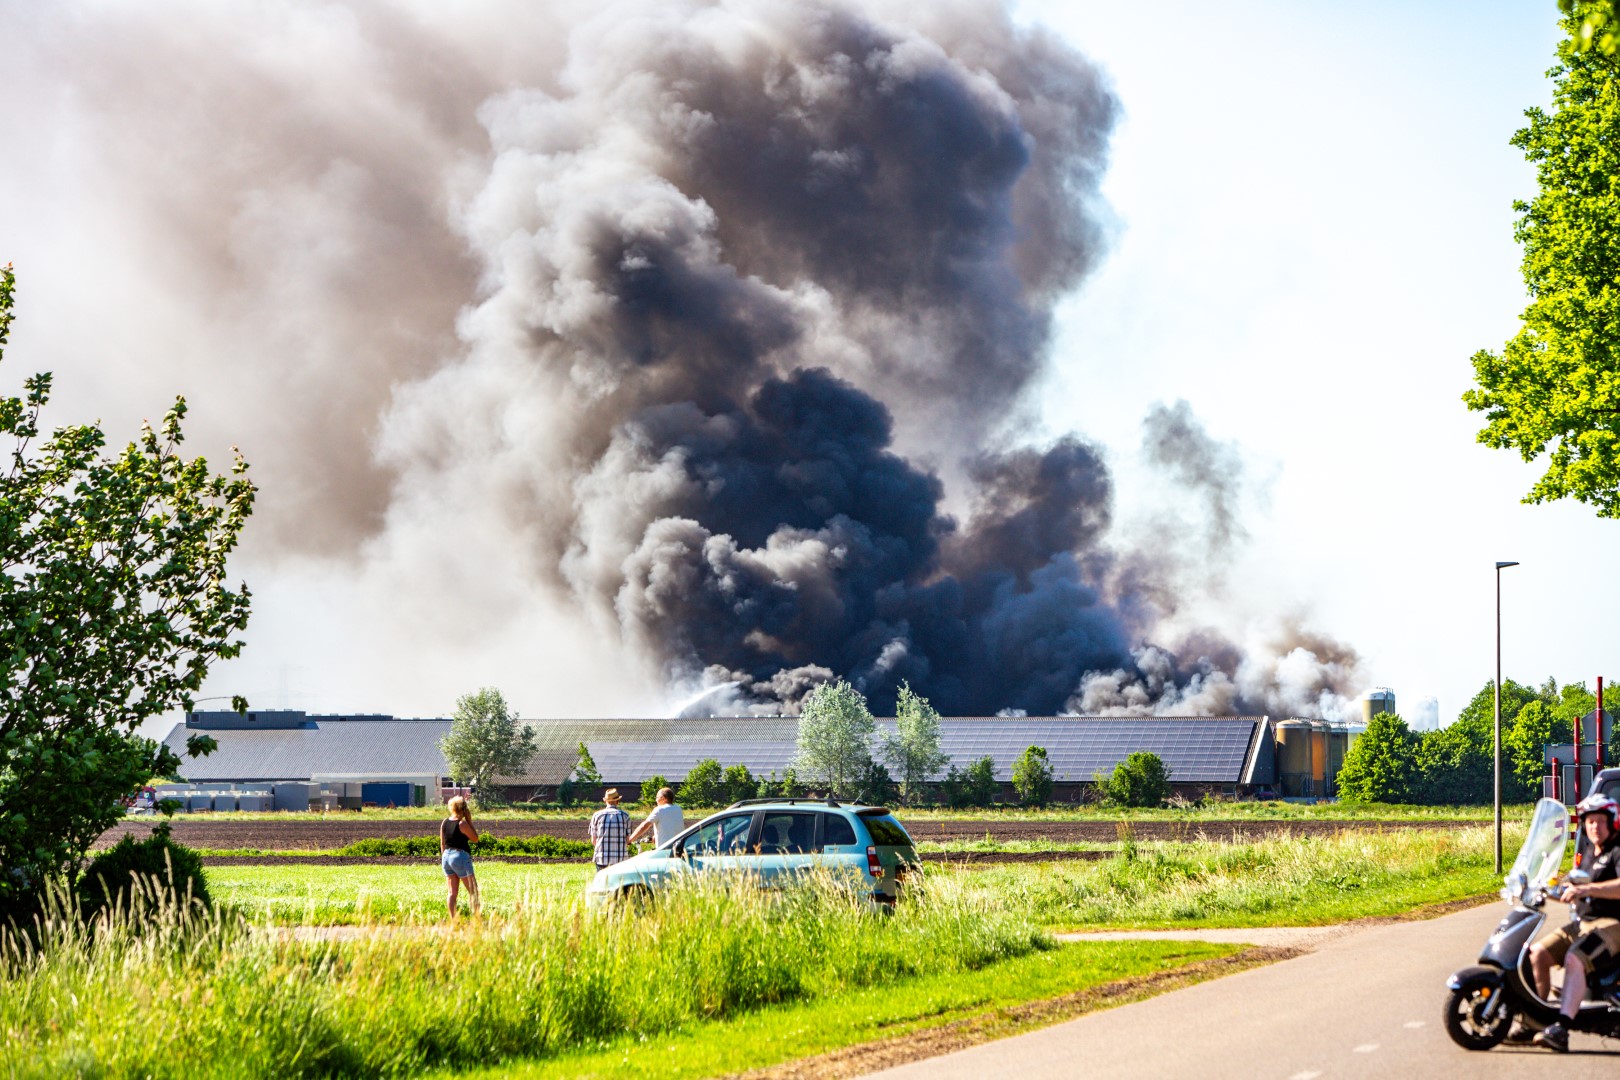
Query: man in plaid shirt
[[609, 828]]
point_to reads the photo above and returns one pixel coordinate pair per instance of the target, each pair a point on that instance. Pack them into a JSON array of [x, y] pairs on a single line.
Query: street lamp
[[1498, 753]]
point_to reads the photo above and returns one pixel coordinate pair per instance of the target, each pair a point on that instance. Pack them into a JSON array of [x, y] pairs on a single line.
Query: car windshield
[[886, 831], [722, 836], [1543, 850]]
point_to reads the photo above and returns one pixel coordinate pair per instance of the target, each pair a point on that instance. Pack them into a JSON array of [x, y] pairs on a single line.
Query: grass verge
[[1282, 881], [876, 1027], [198, 994]]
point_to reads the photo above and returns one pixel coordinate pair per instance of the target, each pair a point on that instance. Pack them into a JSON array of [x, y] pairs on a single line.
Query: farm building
[[1234, 755]]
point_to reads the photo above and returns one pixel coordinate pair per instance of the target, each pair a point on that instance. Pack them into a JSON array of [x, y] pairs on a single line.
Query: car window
[[837, 831], [886, 831], [787, 834], [722, 836]]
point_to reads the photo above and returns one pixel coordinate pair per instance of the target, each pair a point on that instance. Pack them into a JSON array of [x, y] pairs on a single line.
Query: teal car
[[769, 842]]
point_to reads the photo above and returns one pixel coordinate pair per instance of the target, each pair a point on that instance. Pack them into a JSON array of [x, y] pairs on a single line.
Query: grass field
[[986, 1004], [1291, 880]]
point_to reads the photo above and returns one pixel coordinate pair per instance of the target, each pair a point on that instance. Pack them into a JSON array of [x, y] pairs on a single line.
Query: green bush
[[705, 785], [1142, 779], [1032, 777], [111, 875], [545, 847], [649, 790], [874, 786], [739, 784]]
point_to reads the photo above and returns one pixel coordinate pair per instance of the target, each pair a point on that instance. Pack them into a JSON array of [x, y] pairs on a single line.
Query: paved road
[[1365, 1005]]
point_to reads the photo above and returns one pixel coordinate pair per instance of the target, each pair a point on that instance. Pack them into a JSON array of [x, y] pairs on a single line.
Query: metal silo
[[1320, 730], [1294, 757], [1380, 699]]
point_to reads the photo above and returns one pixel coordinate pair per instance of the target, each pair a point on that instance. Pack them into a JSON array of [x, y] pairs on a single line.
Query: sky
[[1311, 220], [1315, 219]]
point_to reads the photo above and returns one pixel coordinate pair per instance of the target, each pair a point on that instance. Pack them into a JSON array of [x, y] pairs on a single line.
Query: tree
[[1596, 25], [874, 786], [1142, 779], [979, 783], [913, 750], [704, 785], [1382, 763], [585, 772], [1555, 387], [835, 733], [649, 790], [486, 740], [739, 784], [113, 606], [1032, 777]]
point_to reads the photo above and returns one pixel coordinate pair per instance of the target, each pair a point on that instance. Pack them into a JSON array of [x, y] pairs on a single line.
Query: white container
[[225, 800], [256, 801]]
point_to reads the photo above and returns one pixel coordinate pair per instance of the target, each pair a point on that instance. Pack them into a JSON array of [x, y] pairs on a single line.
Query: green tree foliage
[[585, 772], [165, 865], [1381, 764], [1555, 387], [1032, 777], [979, 782], [113, 605], [705, 785], [874, 786], [739, 784], [1142, 779], [835, 736], [913, 751], [486, 740], [1594, 25], [649, 790]]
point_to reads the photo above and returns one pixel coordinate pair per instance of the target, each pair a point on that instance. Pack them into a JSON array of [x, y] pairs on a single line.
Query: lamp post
[[1498, 726]]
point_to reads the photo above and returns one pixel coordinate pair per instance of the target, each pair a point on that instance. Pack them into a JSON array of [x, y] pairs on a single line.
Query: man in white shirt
[[665, 821]]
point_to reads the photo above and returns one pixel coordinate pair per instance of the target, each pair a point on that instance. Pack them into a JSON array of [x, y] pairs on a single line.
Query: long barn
[[1230, 754]]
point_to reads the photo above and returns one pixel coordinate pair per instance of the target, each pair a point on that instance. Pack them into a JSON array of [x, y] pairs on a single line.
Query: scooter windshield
[[1543, 850]]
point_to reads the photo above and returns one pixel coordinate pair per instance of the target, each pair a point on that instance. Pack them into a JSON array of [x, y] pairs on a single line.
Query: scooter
[[1485, 999]]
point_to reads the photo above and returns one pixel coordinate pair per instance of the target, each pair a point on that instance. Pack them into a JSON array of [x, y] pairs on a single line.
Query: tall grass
[[1273, 881], [172, 990]]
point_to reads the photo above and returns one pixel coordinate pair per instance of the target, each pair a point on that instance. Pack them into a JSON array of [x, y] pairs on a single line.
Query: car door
[[721, 845], [787, 845]]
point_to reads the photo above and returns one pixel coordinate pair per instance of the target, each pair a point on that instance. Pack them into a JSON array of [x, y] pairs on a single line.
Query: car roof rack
[[824, 801]]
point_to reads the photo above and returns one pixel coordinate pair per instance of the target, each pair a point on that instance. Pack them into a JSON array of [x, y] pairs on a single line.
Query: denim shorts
[[456, 863]]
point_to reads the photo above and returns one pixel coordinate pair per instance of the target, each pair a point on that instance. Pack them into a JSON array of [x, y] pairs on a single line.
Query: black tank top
[[450, 832]]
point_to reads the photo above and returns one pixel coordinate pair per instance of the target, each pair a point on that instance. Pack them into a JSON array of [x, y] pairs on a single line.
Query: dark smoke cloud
[[1176, 442], [725, 316]]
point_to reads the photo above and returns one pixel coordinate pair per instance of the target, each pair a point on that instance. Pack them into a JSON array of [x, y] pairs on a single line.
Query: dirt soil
[[339, 830]]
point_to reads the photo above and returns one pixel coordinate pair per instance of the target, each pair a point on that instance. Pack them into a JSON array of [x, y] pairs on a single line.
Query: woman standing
[[456, 834]]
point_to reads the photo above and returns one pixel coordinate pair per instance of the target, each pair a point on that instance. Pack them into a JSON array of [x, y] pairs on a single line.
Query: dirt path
[[339, 830]]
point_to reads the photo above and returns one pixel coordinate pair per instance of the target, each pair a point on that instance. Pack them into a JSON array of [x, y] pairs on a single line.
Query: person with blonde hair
[[456, 834]]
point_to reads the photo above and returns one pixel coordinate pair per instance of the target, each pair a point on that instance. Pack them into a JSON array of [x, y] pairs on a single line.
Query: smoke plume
[[724, 317]]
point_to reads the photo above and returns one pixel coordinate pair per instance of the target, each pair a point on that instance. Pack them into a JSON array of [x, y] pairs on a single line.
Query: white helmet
[[1598, 804]]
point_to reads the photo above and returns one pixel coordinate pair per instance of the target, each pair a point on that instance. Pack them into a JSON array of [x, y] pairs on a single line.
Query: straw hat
[[611, 795]]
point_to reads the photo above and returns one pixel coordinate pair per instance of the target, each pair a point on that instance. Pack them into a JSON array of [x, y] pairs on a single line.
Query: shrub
[[1032, 777], [111, 875], [649, 790], [704, 786], [873, 785], [979, 782], [739, 784], [545, 847], [1142, 779]]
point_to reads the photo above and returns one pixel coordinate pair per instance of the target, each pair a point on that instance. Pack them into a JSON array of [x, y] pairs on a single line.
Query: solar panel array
[[1197, 749]]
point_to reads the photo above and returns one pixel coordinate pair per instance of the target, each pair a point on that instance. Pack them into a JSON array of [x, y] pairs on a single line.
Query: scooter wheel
[[1463, 1019]]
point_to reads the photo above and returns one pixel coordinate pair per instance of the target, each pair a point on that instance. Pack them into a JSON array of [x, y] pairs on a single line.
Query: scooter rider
[[1583, 944]]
